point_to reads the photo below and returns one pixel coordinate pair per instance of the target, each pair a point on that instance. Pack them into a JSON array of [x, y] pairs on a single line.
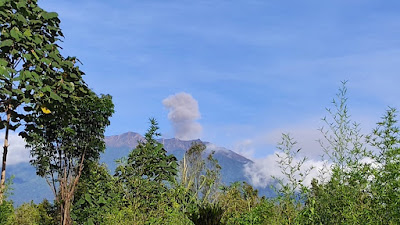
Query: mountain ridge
[[232, 163], [130, 139], [28, 186]]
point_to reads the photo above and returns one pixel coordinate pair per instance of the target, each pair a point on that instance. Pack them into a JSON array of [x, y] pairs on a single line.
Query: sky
[[251, 69]]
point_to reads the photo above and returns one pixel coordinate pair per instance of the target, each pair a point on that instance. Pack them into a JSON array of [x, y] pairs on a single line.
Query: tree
[[237, 200], [32, 70], [64, 141], [291, 190], [6, 207], [199, 177], [98, 193], [386, 183], [344, 198], [197, 186], [147, 168]]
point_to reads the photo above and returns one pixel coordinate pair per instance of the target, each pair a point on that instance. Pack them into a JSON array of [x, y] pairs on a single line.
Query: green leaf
[[27, 33], [3, 62], [46, 61], [6, 43], [80, 202], [90, 221], [55, 96], [34, 54], [38, 40], [3, 71], [21, 18], [16, 34], [50, 15], [102, 200], [46, 89], [88, 198]]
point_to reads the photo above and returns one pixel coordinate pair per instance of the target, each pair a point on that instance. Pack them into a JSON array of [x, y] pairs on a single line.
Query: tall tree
[[32, 70], [343, 198], [146, 169], [199, 177], [386, 183], [63, 141]]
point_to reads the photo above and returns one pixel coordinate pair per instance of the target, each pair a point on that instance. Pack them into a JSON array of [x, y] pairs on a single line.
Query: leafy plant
[[97, 194], [34, 75], [147, 169], [344, 198], [386, 183], [291, 190], [66, 140]]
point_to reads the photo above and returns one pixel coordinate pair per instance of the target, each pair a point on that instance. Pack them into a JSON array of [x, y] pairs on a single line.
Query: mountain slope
[[28, 186], [232, 163]]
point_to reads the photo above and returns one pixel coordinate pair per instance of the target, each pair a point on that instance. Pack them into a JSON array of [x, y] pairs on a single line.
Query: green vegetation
[[64, 122], [34, 75], [359, 184]]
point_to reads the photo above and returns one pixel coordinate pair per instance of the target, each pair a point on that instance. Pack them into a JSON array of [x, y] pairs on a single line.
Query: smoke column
[[183, 113]]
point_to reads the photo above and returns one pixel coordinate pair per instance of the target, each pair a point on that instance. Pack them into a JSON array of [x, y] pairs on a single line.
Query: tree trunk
[[66, 217], [68, 183], [5, 151]]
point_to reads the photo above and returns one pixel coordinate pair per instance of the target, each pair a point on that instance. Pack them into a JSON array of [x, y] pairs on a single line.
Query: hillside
[[28, 186], [232, 163]]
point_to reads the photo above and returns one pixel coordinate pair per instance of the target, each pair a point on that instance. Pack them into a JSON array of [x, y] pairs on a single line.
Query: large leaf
[[3, 62], [28, 33], [6, 43], [49, 15], [16, 34], [55, 96]]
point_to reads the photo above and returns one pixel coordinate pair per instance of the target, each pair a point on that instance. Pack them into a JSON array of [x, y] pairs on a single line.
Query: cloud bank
[[183, 113], [17, 153], [261, 171]]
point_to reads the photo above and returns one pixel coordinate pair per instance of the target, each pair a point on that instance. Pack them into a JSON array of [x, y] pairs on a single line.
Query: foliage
[[263, 212], [147, 170], [6, 212], [34, 75], [137, 215], [361, 186], [97, 194], [199, 178], [27, 214], [385, 186], [6, 206], [236, 200], [207, 213], [196, 191], [66, 140], [344, 197], [292, 190]]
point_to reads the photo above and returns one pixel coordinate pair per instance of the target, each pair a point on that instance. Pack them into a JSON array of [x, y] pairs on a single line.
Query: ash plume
[[183, 113]]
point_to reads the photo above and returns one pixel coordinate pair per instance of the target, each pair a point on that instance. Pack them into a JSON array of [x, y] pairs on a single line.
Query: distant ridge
[[128, 139], [172, 145], [232, 163], [32, 187]]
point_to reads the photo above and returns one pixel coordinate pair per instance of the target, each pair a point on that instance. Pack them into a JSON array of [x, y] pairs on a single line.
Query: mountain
[[232, 163], [28, 186]]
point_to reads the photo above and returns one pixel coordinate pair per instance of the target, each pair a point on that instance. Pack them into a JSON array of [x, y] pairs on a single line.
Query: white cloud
[[305, 134], [244, 148], [262, 171], [17, 153]]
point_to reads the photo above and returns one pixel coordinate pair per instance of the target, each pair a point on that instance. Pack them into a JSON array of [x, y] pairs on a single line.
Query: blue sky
[[256, 68]]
